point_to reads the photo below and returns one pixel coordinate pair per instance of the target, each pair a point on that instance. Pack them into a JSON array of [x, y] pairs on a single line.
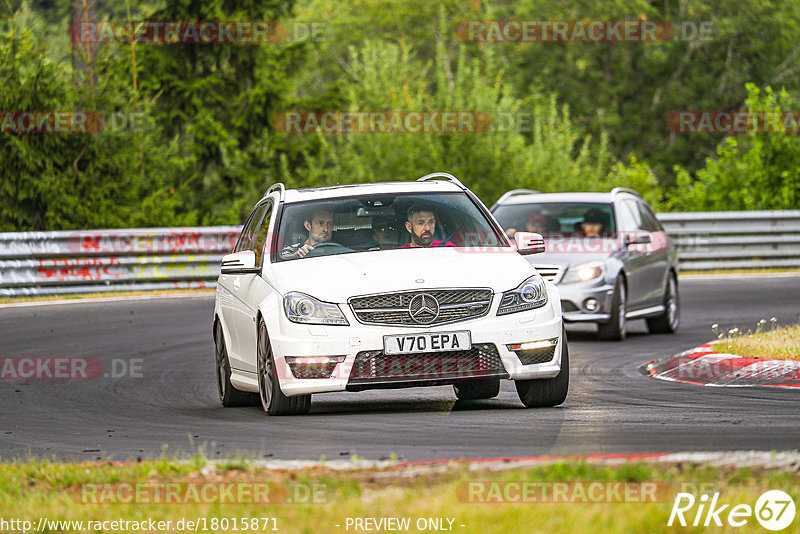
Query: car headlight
[[583, 272], [301, 308], [529, 295]]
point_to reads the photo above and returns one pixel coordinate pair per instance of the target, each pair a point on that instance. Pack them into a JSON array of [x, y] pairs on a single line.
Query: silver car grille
[[393, 308], [551, 273]]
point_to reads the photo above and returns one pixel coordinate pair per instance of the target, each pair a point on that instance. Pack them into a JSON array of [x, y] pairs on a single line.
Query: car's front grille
[[534, 356], [481, 360], [551, 273], [452, 305]]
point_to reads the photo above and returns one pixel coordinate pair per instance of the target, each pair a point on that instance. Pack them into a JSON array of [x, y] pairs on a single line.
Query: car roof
[[538, 198], [346, 190]]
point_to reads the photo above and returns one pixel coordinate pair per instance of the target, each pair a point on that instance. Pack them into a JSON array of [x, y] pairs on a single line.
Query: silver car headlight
[[529, 295], [583, 272], [305, 309]]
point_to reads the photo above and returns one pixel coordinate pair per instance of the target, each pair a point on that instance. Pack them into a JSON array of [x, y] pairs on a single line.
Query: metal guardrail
[[47, 263], [735, 239]]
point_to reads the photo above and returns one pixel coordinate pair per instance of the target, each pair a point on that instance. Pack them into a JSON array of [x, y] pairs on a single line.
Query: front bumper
[[574, 297], [354, 341]]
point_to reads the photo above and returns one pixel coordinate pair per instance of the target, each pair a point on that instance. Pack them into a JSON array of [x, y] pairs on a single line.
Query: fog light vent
[[313, 367], [535, 352]]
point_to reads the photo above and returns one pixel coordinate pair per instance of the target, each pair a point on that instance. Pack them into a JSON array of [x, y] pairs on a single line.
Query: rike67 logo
[[774, 510]]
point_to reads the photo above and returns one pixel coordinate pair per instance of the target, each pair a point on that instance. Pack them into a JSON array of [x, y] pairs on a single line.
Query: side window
[[628, 222], [649, 220], [261, 240], [249, 231]]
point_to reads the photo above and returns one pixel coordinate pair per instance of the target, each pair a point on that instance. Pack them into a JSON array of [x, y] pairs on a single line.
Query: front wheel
[[477, 389], [229, 396], [542, 393], [273, 400], [667, 322], [615, 328]]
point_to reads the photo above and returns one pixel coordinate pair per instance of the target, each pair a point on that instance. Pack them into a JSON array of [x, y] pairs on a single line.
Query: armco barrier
[[46, 263], [735, 239]]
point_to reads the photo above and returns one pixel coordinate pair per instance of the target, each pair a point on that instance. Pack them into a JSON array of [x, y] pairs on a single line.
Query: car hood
[[337, 278]]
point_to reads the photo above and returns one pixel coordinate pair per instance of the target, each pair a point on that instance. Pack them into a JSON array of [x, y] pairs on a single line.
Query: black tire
[[547, 392], [477, 389], [667, 322], [615, 328], [272, 398], [229, 396]]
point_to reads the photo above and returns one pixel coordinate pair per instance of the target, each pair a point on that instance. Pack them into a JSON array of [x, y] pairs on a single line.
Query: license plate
[[428, 342]]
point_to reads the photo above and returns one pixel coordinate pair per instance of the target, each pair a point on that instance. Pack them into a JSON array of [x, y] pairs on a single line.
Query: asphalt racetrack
[[170, 404]]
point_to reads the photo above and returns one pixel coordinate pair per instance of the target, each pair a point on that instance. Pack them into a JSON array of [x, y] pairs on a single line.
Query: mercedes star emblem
[[424, 308]]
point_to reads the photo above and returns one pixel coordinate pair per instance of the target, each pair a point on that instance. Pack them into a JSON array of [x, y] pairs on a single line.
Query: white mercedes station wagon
[[326, 291]]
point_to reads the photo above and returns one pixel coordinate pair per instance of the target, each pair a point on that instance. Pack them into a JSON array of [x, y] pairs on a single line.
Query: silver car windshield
[[584, 219], [372, 223]]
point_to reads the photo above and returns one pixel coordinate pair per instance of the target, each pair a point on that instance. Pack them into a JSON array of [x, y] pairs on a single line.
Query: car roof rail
[[618, 190], [279, 187], [516, 192], [442, 176]]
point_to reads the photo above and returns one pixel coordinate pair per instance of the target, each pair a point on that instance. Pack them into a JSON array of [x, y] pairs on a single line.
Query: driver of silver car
[[319, 224]]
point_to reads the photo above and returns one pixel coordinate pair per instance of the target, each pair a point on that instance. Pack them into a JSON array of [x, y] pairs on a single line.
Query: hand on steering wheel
[[320, 246]]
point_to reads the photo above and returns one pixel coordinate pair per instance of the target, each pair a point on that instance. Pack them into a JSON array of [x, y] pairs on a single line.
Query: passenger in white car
[[421, 226]]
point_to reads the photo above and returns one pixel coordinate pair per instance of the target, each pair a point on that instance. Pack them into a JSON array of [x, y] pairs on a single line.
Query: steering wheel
[[320, 246]]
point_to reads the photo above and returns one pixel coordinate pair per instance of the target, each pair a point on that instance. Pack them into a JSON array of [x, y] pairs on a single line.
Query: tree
[[58, 179], [216, 101], [755, 171], [387, 77], [627, 89]]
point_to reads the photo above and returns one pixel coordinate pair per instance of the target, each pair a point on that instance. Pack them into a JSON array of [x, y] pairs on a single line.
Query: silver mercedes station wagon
[[607, 253]]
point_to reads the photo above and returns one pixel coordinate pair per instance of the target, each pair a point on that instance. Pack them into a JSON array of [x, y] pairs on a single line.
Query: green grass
[[33, 489], [770, 343]]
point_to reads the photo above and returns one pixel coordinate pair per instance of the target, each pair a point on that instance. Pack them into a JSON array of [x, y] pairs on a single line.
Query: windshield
[[582, 219], [372, 223]]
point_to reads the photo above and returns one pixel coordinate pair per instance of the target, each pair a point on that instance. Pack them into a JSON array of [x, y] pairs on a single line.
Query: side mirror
[[529, 243], [636, 239], [243, 262]]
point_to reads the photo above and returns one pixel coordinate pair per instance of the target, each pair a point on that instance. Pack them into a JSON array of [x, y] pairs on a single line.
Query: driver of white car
[[319, 224]]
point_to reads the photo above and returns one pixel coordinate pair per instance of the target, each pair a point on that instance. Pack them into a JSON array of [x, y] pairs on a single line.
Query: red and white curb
[[705, 367]]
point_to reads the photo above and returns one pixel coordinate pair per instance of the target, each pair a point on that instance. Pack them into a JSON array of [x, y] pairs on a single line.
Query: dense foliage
[[207, 140]]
